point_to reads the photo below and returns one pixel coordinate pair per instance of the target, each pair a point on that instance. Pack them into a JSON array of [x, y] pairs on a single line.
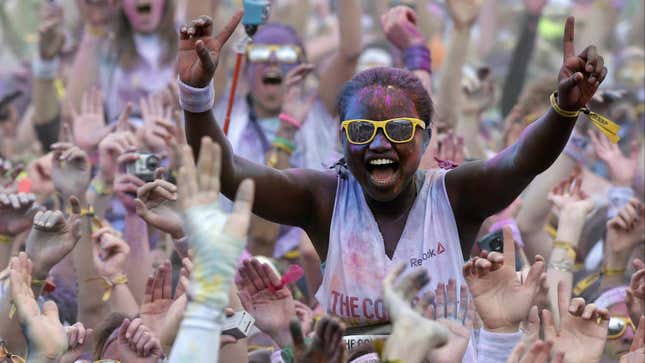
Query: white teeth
[[381, 162]]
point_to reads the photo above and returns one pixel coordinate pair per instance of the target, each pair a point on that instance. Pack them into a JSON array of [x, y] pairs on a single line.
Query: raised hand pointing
[[580, 75]]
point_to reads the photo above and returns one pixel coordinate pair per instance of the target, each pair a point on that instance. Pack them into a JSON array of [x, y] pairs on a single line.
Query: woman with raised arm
[[377, 208]]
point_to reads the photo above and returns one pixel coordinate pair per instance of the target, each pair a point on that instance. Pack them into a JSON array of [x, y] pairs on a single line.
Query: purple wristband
[[417, 57]]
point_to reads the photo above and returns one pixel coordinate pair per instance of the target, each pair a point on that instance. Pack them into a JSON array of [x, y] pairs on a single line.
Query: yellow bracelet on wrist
[[609, 272], [605, 125], [571, 252], [89, 211], [109, 284], [5, 238]]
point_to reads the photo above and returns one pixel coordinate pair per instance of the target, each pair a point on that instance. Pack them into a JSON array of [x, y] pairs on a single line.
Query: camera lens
[[152, 162]]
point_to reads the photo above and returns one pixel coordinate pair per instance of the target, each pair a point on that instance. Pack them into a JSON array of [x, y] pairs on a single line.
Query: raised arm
[[463, 14], [343, 64], [521, 58], [479, 189], [285, 197]]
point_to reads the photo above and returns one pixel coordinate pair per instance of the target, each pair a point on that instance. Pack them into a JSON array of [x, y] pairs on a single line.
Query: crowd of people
[[351, 181]]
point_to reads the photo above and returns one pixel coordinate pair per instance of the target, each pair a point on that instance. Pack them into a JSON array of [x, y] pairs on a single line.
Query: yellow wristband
[[5, 238], [571, 252], [605, 125], [560, 111], [84, 211], [109, 284], [613, 272]]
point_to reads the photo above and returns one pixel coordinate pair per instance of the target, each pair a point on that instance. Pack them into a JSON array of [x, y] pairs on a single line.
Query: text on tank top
[[356, 262]]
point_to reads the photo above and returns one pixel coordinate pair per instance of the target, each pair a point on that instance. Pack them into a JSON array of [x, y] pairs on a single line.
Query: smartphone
[[494, 241]]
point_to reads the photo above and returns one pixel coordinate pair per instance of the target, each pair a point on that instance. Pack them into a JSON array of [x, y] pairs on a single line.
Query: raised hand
[[16, 211], [52, 237], [115, 144], [305, 316], [109, 253], [70, 170], [464, 12], [455, 313], [40, 174], [400, 27], [635, 295], [626, 229], [582, 332], [216, 238], [44, 332], [573, 205], [78, 337], [478, 91], [450, 151], [158, 297], [137, 344], [637, 350], [622, 168], [198, 53], [580, 75], [501, 299], [175, 311], [51, 37], [89, 123], [156, 204], [326, 346], [294, 105], [158, 128], [413, 337], [272, 309]]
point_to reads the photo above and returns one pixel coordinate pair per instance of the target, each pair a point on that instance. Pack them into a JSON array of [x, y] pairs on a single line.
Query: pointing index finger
[[567, 38]]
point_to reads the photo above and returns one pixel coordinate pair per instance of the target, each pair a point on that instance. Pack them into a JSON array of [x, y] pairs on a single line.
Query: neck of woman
[[397, 207]]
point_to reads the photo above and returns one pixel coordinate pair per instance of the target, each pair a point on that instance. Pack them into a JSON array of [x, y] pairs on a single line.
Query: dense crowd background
[[115, 243]]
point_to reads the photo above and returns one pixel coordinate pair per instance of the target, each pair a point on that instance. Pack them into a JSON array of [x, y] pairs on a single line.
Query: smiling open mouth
[[272, 77], [383, 171], [144, 8]]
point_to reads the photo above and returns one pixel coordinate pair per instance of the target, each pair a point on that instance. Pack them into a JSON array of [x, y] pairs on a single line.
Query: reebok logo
[[432, 252]]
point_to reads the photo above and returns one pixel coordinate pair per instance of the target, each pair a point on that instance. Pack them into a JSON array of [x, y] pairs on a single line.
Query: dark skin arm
[[296, 197], [480, 189]]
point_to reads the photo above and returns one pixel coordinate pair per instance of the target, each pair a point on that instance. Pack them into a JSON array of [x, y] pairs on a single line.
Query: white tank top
[[356, 261]]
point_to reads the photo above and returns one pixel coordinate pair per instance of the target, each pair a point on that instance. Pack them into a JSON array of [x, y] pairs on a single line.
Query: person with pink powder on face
[[378, 208], [141, 57]]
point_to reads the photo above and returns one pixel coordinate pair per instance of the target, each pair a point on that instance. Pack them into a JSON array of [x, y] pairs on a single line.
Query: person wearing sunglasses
[[265, 130], [621, 328], [378, 208]]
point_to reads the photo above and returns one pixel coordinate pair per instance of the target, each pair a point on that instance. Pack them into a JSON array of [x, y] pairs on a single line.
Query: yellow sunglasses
[[618, 326], [397, 130]]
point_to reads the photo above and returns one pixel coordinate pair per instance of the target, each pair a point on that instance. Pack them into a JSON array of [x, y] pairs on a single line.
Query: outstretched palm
[[52, 238], [199, 51], [500, 298]]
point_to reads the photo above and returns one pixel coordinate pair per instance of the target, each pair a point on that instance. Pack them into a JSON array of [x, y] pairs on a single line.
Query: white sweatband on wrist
[[196, 100], [44, 68], [496, 347]]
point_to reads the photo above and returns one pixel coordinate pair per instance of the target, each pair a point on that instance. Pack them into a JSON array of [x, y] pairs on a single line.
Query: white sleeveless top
[[356, 261]]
